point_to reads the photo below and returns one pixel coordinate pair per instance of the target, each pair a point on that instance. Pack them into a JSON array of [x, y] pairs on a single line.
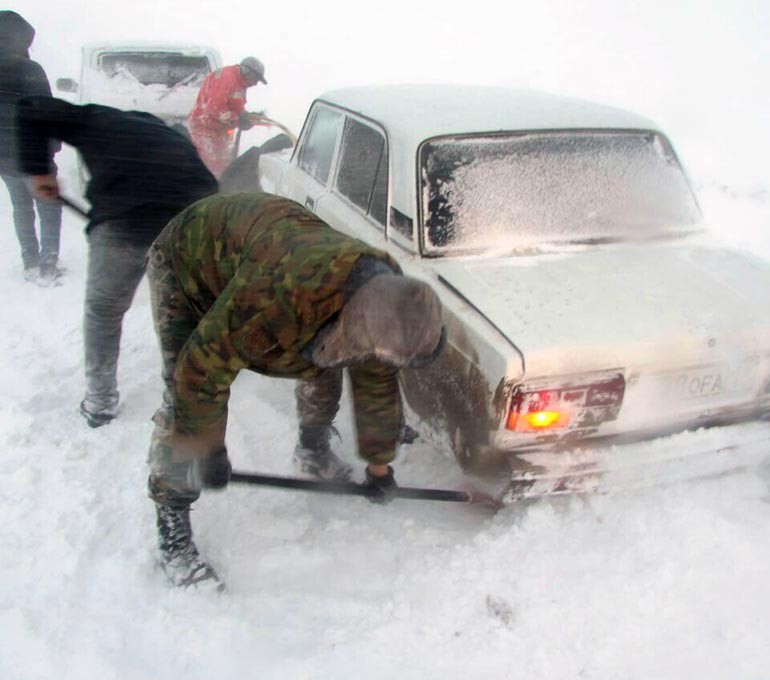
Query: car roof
[[410, 114], [430, 110]]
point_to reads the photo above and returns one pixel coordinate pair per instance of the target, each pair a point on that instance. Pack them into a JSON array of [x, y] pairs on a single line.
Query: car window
[[363, 169], [317, 151], [156, 68], [505, 192]]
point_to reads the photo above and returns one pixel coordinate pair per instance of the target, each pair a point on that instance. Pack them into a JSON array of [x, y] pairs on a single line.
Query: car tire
[[476, 458]]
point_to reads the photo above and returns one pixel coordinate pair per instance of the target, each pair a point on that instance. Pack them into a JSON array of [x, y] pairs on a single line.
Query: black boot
[[178, 556], [95, 419], [49, 274], [408, 434], [314, 456]]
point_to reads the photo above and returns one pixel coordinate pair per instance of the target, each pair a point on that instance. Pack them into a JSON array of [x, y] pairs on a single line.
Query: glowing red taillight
[[537, 420], [579, 404]]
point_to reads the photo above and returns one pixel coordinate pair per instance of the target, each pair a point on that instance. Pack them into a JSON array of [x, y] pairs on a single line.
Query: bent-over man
[[255, 281]]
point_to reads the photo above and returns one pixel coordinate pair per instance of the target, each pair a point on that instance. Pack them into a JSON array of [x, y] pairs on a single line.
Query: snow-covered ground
[[649, 584], [660, 583]]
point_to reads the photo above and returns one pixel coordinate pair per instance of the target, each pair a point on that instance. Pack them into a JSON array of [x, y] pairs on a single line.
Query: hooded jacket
[[19, 77]]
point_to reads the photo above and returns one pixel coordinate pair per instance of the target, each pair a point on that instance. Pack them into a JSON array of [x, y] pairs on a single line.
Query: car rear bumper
[[605, 465]]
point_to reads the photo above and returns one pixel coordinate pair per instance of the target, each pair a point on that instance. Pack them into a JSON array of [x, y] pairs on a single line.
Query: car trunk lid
[[689, 327]]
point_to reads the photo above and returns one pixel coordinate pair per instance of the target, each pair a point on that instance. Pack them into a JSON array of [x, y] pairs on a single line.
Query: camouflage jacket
[[263, 276]]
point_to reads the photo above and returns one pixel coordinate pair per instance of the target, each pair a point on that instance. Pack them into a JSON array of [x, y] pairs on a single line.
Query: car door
[[309, 178], [358, 199]]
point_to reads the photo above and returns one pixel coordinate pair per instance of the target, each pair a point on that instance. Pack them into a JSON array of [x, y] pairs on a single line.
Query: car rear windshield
[[156, 68], [509, 192]]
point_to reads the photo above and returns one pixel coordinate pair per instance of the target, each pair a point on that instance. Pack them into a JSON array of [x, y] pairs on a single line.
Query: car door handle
[[309, 203]]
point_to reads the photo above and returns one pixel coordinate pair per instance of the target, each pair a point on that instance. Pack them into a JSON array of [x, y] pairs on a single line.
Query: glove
[[44, 187], [381, 489], [244, 121], [212, 472]]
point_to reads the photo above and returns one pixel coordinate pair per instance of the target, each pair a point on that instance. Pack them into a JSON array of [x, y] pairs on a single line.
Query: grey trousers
[[115, 269], [33, 253]]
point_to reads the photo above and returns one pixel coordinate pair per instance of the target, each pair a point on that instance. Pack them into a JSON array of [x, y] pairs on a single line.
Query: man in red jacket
[[221, 107]]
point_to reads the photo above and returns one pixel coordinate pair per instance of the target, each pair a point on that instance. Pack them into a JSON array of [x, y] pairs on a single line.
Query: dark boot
[[95, 419], [314, 456], [408, 434], [178, 556], [49, 274]]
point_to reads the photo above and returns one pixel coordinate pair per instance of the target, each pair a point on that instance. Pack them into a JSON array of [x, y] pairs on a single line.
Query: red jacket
[[221, 99]]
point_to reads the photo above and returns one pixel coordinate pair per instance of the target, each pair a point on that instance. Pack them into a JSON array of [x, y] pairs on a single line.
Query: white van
[[160, 78]]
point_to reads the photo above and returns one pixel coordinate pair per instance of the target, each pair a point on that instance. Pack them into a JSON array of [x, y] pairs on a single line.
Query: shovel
[[261, 120], [73, 206], [354, 489]]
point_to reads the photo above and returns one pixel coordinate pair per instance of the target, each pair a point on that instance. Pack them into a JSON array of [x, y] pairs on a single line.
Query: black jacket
[[142, 171], [19, 77]]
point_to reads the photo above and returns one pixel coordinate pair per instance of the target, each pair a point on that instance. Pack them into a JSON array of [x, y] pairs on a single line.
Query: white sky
[[691, 66]]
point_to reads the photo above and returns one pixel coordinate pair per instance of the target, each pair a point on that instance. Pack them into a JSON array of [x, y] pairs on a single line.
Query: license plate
[[712, 382]]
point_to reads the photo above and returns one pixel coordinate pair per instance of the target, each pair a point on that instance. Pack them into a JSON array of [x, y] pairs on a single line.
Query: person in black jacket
[[142, 174], [22, 77]]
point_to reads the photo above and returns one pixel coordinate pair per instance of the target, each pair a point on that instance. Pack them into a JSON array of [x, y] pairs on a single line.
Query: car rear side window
[[318, 149], [363, 169]]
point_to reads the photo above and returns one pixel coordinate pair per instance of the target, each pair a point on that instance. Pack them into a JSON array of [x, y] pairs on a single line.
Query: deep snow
[[660, 583]]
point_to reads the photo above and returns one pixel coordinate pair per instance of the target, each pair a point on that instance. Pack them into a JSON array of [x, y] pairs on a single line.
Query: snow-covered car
[[160, 78], [583, 301]]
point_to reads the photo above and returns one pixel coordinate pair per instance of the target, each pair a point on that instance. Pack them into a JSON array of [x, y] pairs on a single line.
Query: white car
[[582, 301]]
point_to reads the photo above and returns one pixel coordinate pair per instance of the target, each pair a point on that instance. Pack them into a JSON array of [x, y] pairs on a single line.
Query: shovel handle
[[353, 489], [258, 119], [72, 206]]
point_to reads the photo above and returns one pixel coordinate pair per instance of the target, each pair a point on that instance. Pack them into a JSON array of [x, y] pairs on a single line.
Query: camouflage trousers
[[170, 482]]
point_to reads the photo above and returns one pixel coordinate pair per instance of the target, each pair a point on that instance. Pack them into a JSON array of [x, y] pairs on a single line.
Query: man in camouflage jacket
[[255, 281]]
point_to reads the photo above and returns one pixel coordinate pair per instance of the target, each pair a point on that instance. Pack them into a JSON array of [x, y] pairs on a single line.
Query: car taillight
[[537, 420], [581, 404]]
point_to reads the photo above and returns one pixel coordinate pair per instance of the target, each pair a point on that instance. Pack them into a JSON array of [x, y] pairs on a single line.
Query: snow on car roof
[[410, 114], [422, 111], [143, 46]]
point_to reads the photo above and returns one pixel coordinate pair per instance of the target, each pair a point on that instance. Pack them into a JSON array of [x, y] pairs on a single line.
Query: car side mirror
[[66, 85]]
